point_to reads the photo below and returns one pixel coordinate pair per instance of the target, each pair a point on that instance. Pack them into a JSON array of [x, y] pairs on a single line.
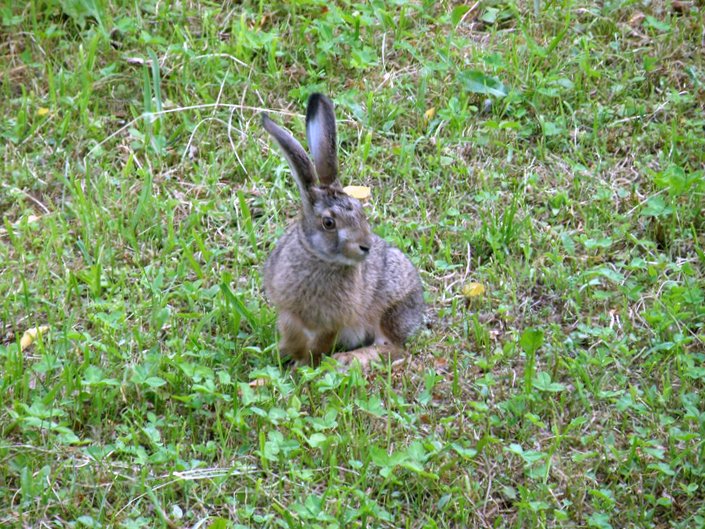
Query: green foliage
[[552, 153]]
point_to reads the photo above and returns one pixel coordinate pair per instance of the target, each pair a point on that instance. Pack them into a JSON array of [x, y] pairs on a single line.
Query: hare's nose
[[364, 249]]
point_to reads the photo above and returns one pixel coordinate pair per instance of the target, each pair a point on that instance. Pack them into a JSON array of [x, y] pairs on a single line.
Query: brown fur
[[343, 287]]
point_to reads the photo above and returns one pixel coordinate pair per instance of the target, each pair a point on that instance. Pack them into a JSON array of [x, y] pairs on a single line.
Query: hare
[[336, 285]]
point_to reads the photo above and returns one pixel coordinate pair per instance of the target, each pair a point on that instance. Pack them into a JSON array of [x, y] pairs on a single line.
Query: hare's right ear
[[299, 162], [321, 136]]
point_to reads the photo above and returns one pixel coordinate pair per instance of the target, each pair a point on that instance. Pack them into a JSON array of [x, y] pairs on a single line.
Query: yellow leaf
[[31, 334], [429, 113], [358, 192], [473, 290], [42, 111]]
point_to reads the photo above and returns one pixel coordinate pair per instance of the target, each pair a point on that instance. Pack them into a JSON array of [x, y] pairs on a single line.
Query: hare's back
[[397, 278]]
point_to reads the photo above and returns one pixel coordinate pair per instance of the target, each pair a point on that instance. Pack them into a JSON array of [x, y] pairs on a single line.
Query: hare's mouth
[[346, 256], [340, 259], [355, 252]]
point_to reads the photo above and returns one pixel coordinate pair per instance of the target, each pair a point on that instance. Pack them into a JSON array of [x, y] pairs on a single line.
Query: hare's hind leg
[[400, 321], [397, 324], [372, 353], [382, 348]]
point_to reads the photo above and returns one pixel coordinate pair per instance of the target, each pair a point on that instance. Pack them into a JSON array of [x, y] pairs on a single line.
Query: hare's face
[[338, 230], [333, 224]]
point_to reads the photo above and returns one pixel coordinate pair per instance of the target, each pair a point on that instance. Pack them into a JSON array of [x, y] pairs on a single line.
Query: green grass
[[555, 156]]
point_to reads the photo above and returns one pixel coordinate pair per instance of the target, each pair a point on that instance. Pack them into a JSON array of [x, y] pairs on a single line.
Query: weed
[[551, 152]]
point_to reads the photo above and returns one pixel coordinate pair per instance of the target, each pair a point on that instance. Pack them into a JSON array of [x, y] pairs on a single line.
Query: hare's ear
[[321, 136], [299, 162]]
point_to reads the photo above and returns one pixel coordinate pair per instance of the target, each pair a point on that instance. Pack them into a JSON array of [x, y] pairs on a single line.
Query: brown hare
[[336, 285]]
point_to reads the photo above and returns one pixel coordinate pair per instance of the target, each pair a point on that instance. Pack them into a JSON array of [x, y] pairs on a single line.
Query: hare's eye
[[328, 223]]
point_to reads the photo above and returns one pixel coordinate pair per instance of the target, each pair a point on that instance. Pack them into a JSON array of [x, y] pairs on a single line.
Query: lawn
[[540, 163]]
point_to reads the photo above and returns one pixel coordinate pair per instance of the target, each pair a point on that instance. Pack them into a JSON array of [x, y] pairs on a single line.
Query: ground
[[540, 163]]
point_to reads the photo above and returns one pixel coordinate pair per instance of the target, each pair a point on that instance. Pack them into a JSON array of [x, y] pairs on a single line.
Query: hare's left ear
[[321, 136], [301, 167]]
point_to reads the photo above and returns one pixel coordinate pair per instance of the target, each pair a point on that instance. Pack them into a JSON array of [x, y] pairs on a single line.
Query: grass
[[552, 152]]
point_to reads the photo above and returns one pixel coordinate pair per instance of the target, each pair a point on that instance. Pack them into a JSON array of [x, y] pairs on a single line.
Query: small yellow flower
[[473, 290]]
